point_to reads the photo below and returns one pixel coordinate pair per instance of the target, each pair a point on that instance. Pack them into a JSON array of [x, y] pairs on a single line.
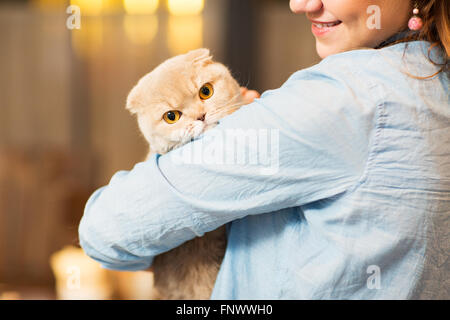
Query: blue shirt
[[334, 186]]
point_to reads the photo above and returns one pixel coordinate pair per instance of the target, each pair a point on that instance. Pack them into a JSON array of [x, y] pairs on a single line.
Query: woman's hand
[[249, 95]]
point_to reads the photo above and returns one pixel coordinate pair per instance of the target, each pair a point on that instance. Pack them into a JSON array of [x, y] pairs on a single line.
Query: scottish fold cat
[[176, 102]]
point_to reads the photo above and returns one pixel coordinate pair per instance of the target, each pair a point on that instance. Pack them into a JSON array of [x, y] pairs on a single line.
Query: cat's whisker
[[235, 96], [224, 109], [246, 85], [216, 115], [227, 106]]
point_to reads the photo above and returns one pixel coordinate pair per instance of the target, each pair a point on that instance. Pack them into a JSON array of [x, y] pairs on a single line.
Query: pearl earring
[[415, 23]]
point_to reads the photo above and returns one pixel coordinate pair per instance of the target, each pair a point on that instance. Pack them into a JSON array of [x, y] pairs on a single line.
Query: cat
[[176, 102]]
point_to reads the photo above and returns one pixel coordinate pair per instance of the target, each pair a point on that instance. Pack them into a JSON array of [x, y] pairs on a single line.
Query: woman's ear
[[201, 56]]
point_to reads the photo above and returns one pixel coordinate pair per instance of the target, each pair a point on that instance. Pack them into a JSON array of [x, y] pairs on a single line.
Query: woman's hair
[[435, 15], [436, 23]]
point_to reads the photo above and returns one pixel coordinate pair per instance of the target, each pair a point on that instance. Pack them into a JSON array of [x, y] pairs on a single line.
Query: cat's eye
[[172, 116], [206, 91]]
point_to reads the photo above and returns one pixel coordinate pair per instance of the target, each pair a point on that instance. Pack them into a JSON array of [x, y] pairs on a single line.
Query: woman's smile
[[320, 28]]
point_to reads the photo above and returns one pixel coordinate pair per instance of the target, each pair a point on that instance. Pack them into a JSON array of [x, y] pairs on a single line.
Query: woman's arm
[[306, 141]]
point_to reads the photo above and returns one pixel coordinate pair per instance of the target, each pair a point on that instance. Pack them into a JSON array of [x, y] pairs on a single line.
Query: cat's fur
[[188, 271]]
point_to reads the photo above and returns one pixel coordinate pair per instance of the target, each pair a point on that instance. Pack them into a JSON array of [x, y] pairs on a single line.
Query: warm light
[[185, 7], [140, 6], [78, 276], [89, 7], [96, 7], [185, 33], [140, 30]]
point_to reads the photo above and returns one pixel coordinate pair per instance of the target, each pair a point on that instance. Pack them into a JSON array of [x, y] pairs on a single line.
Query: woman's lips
[[319, 28]]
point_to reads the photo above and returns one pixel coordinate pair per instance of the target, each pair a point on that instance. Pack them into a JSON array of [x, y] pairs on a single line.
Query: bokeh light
[[185, 7], [140, 6], [184, 33], [140, 30], [89, 7]]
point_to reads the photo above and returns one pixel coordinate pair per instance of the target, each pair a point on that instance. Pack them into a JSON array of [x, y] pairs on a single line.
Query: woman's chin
[[325, 50]]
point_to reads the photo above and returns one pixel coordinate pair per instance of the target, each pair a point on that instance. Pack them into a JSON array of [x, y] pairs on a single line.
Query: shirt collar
[[397, 36]]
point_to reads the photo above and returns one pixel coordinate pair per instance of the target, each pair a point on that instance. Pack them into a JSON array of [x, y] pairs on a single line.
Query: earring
[[415, 23]]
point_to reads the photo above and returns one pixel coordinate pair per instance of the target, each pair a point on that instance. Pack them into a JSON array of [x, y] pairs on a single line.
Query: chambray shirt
[[334, 186]]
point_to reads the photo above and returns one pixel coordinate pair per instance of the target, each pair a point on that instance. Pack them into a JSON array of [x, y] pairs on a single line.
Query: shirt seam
[[380, 122], [376, 138]]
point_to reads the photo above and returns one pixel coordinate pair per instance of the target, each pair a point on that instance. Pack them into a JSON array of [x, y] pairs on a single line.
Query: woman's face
[[342, 25]]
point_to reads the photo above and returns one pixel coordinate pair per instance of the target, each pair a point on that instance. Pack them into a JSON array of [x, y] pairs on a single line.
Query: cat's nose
[[202, 117]]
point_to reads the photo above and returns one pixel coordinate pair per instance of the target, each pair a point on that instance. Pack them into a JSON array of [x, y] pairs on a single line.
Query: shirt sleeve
[[305, 141]]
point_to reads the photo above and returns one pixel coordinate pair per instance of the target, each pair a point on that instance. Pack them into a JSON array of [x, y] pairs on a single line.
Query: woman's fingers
[[252, 95], [249, 95]]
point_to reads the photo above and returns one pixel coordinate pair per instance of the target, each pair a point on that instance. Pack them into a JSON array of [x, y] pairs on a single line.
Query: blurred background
[[64, 130]]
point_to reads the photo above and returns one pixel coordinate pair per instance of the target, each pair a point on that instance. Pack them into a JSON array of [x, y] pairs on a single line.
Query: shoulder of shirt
[[367, 60], [363, 69]]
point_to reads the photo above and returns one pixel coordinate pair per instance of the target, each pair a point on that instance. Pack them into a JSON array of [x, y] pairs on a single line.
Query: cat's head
[[181, 98]]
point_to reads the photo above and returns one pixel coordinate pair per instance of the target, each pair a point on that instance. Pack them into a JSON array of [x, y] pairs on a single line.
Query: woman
[[353, 199]]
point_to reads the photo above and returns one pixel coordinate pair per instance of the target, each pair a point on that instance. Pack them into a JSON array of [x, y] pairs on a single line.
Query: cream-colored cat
[[176, 102]]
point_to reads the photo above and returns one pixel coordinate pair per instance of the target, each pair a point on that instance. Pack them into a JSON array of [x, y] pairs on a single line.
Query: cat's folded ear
[[201, 56], [133, 104]]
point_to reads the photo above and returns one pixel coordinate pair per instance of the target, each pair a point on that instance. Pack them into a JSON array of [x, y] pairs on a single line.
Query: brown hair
[[435, 15]]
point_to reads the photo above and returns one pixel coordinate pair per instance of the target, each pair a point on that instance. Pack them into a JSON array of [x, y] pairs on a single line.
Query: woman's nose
[[299, 6]]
